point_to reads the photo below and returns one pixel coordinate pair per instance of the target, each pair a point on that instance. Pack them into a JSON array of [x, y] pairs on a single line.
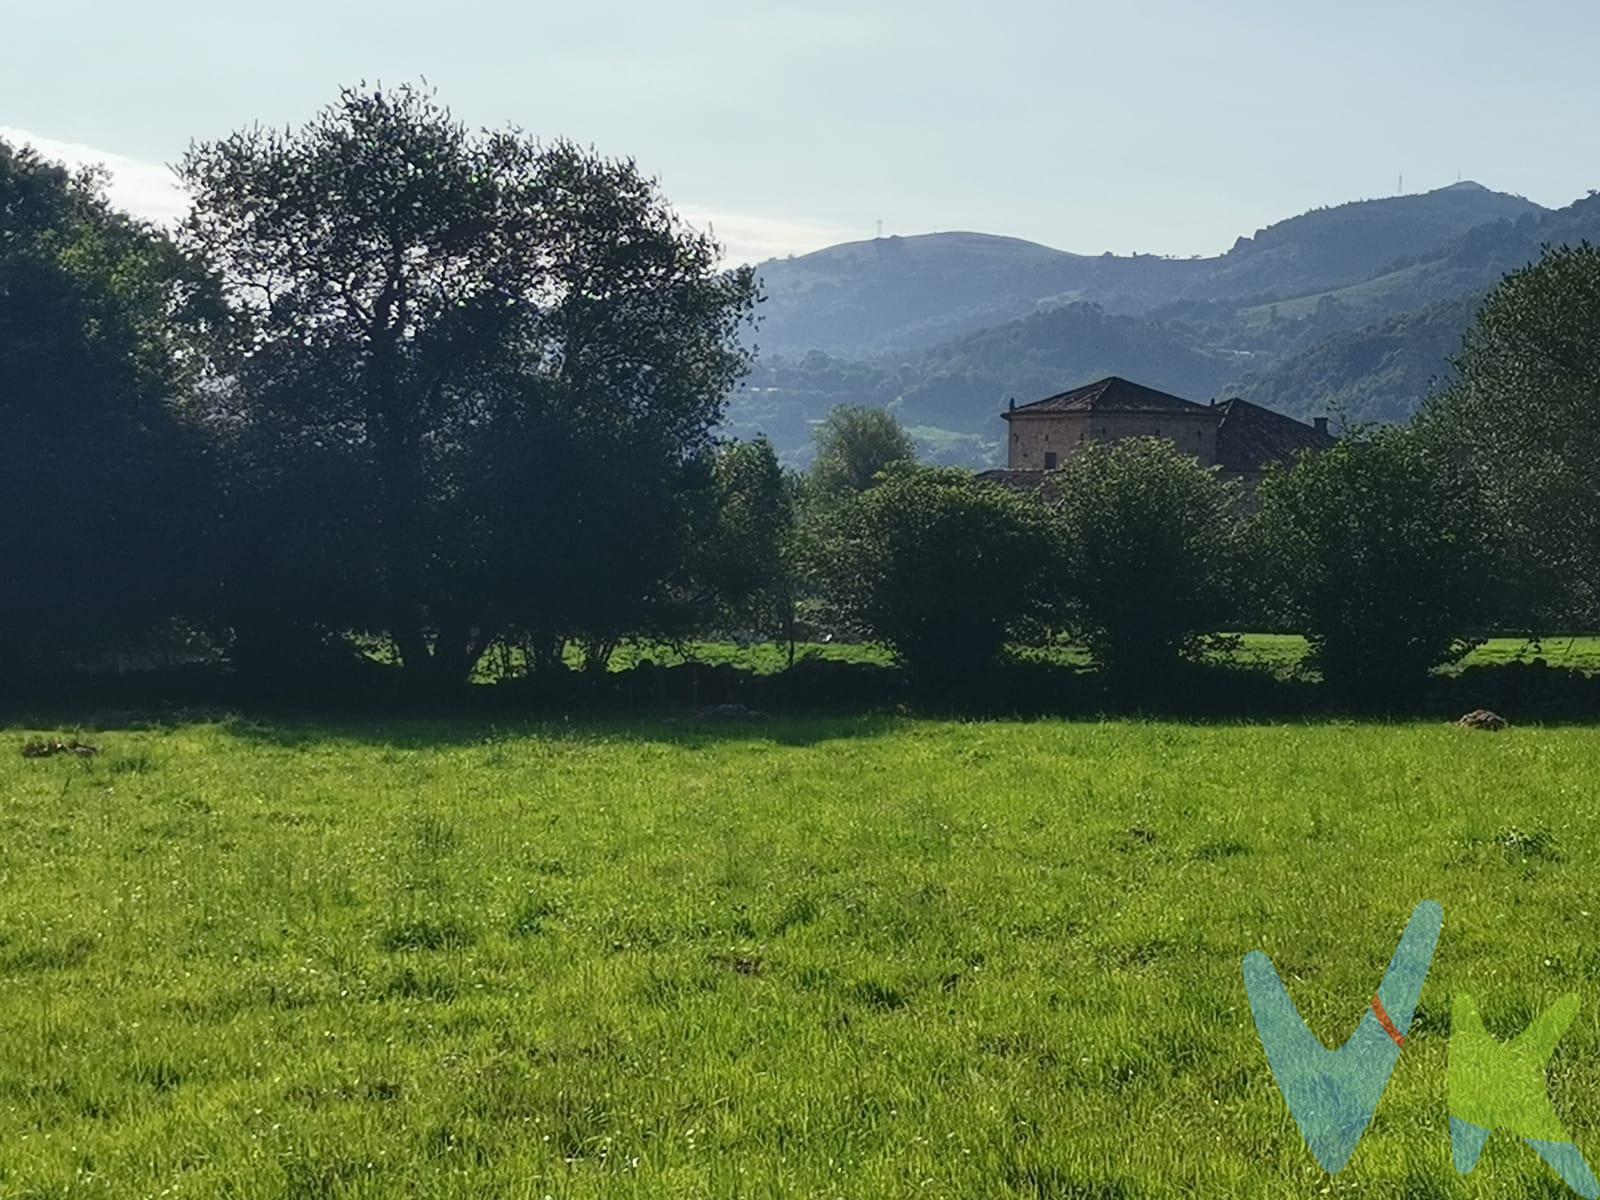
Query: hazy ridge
[[1353, 309]]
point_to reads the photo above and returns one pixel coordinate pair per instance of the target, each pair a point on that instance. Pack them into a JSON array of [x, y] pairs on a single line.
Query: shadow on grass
[[816, 701], [411, 732]]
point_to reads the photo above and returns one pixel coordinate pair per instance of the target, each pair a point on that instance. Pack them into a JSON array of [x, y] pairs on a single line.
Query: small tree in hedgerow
[[1368, 551], [1148, 540], [742, 562], [943, 568], [853, 445]]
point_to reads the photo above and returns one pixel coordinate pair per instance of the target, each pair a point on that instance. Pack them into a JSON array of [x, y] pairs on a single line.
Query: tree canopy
[[477, 379], [1368, 550], [1147, 551], [940, 566], [102, 492], [1520, 428], [853, 445]]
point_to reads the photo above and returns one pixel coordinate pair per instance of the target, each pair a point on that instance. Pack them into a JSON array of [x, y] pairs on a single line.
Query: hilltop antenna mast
[[880, 227]]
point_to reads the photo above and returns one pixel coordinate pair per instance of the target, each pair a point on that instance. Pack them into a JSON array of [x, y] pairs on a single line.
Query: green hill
[[1469, 264], [1331, 247], [897, 294]]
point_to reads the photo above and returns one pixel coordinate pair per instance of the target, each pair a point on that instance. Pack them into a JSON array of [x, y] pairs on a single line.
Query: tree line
[[1141, 556], [395, 388]]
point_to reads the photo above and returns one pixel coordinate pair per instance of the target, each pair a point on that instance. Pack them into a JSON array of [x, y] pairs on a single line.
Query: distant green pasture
[[1277, 652]]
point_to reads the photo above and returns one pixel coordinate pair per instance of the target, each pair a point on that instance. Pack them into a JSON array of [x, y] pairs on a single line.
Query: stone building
[[1240, 438]]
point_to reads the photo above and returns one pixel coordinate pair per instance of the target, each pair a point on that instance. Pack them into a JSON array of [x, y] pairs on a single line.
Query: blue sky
[[1161, 127]]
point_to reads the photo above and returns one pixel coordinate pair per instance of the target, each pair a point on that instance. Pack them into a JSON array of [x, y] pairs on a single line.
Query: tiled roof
[[1112, 394], [1011, 477], [1250, 438]]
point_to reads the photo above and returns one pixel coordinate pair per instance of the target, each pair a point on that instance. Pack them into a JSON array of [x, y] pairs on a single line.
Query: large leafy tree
[[102, 491], [1368, 550], [943, 568], [1148, 548], [1520, 431], [478, 381]]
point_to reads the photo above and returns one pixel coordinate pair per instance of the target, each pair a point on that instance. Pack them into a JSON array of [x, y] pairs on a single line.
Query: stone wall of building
[[1035, 437]]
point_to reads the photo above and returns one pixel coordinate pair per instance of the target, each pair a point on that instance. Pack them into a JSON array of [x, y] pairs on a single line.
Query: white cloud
[[143, 189], [748, 239], [150, 191]]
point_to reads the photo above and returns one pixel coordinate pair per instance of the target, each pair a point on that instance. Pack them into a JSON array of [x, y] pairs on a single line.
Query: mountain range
[[1352, 310]]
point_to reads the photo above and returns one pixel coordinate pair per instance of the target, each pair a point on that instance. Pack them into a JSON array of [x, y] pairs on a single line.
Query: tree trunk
[[597, 653], [788, 625], [545, 653], [415, 654]]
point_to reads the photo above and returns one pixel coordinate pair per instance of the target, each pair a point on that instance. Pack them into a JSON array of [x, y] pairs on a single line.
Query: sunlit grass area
[[799, 958], [1286, 652], [1281, 653], [761, 657]]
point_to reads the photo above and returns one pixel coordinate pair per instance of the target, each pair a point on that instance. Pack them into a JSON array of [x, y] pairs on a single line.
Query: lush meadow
[[862, 958]]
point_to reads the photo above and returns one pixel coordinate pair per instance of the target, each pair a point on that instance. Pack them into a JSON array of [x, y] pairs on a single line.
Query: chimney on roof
[[1013, 404], [1322, 425]]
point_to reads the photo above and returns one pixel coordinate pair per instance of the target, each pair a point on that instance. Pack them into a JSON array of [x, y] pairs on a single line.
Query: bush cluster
[[1139, 554]]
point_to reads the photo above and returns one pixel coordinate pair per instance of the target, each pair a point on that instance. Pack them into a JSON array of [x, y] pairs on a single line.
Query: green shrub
[[941, 567], [1148, 541], [1367, 550]]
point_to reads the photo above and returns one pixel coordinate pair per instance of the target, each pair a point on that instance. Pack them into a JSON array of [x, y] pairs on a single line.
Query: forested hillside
[[1353, 310], [951, 395], [1374, 374]]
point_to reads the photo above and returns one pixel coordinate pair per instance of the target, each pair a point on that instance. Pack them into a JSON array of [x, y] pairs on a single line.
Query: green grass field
[[853, 958]]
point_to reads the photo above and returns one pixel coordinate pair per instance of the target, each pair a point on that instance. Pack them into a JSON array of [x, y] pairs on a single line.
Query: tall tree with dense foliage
[[853, 445], [1520, 428], [743, 563], [940, 566], [477, 384], [1148, 541], [1370, 552], [102, 491]]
